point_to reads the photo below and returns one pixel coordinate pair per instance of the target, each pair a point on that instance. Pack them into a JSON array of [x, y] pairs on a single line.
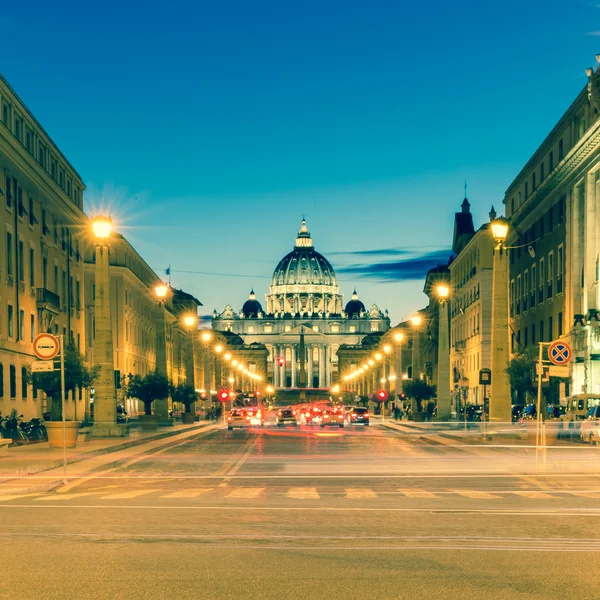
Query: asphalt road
[[308, 513]]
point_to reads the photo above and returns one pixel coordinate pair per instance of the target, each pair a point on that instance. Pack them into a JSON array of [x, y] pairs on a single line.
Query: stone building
[[303, 296], [43, 229]]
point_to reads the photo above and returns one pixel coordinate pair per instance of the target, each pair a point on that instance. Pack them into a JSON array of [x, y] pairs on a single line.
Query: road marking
[[474, 494], [67, 496], [11, 497], [245, 493], [360, 493], [188, 493], [242, 460], [539, 495], [303, 493], [583, 494], [133, 494], [416, 493]]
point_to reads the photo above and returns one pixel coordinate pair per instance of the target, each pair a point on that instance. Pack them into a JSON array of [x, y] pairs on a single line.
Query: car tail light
[[258, 413], [247, 418], [366, 415], [327, 416], [229, 418], [353, 414], [308, 414]]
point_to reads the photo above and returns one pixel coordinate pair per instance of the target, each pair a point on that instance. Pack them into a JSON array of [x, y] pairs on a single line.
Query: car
[[516, 412], [359, 415], [334, 418], [529, 413], [286, 416], [577, 408], [237, 418], [255, 416], [590, 425]]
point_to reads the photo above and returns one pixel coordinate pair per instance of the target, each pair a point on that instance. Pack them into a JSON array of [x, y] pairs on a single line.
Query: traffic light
[[224, 395], [381, 394], [281, 361]]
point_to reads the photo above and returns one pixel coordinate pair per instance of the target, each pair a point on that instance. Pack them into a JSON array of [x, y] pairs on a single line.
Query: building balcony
[[47, 300]]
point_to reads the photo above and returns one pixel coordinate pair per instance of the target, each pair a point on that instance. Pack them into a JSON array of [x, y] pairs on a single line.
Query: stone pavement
[[37, 467]]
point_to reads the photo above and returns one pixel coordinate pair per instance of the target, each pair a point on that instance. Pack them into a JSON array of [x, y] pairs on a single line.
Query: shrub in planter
[[187, 395]]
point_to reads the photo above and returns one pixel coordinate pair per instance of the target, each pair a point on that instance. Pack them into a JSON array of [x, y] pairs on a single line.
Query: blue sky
[[212, 127]]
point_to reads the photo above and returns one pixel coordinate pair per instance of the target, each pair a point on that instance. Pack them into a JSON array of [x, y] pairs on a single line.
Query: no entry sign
[[46, 346], [560, 353]]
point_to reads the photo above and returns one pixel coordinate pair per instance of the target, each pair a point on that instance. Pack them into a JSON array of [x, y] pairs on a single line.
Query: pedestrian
[[430, 407]]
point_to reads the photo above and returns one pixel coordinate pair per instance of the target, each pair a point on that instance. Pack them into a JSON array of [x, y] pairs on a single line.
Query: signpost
[[46, 346], [42, 366], [560, 353], [485, 379]]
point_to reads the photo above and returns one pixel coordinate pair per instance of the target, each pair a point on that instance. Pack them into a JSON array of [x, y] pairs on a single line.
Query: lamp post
[[443, 374], [415, 321], [105, 400], [206, 337], [231, 380], [500, 402], [161, 405], [398, 338], [191, 324]]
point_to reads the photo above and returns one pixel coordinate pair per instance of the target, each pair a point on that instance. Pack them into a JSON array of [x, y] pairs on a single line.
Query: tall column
[[443, 374], [500, 402], [105, 401], [590, 252], [276, 366], [293, 365], [322, 383], [398, 368], [327, 366], [309, 374], [416, 354]]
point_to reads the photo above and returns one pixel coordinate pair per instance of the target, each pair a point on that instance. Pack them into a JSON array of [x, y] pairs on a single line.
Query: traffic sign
[[560, 353], [42, 366], [46, 346], [558, 371], [382, 395], [224, 395]]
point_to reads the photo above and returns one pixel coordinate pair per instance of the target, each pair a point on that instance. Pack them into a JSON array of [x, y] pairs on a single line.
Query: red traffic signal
[[382, 395], [281, 361], [224, 395]]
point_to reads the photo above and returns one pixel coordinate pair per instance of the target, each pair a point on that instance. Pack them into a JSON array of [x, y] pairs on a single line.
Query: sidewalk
[[37, 467]]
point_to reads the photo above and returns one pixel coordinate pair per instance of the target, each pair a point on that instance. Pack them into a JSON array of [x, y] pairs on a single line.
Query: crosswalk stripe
[[415, 493], [474, 494], [533, 494], [66, 496], [303, 493], [360, 493], [188, 493], [245, 493], [124, 495]]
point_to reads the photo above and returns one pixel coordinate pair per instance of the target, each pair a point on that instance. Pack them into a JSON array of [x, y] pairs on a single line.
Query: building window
[[287, 328], [21, 325], [12, 376], [9, 254], [6, 111], [561, 152], [1, 380], [11, 321], [542, 174], [352, 328], [21, 261], [374, 326], [32, 327], [533, 284], [31, 267], [512, 205], [541, 285], [560, 324], [512, 298], [315, 328], [550, 161], [518, 297], [526, 190], [335, 329], [561, 209], [42, 156], [24, 383], [525, 289], [550, 273], [251, 329], [533, 184], [541, 331], [268, 328]]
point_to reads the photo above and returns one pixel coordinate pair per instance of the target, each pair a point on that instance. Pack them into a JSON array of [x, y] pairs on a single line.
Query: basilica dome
[[304, 265], [355, 307], [252, 307]]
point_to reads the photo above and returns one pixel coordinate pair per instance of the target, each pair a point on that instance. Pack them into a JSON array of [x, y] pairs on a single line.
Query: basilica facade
[[304, 297]]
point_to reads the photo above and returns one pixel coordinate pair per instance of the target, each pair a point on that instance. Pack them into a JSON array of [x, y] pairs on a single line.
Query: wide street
[[308, 513]]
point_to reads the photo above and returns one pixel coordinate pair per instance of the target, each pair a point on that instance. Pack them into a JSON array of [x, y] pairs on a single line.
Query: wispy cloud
[[409, 269], [593, 33], [376, 252]]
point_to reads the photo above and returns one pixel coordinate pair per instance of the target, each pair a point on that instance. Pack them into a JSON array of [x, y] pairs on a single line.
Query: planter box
[[149, 422], [419, 416], [188, 418], [55, 433]]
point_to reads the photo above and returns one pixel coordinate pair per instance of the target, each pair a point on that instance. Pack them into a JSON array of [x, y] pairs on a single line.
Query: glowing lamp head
[[387, 349], [240, 367], [378, 356], [335, 389], [270, 389], [499, 230], [102, 227], [365, 366], [234, 362], [398, 337], [218, 349], [206, 336], [416, 320], [190, 320], [231, 380], [443, 291], [392, 377], [161, 291], [371, 362], [227, 356]]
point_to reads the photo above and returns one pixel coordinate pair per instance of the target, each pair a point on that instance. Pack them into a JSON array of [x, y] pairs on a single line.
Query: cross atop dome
[[303, 240]]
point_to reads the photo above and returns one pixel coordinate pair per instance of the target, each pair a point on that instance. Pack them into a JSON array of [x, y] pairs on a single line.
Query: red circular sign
[[224, 395], [382, 395], [560, 353], [46, 346]]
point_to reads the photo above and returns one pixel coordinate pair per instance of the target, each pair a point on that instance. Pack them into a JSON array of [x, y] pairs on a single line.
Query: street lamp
[[416, 321], [206, 337], [161, 405], [443, 374], [500, 402], [105, 403]]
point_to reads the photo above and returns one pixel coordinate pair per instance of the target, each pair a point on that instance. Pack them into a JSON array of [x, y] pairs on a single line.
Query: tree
[[520, 374], [149, 388], [419, 390], [186, 394], [77, 375]]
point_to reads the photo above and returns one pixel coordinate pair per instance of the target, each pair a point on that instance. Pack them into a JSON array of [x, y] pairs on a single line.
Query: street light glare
[[161, 290], [371, 362], [206, 336], [234, 362], [398, 337], [102, 227], [190, 320], [378, 356], [416, 320], [227, 356], [443, 291], [387, 349], [500, 229], [218, 349]]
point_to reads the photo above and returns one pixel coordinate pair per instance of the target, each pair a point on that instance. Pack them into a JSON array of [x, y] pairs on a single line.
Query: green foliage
[[419, 390], [186, 394], [521, 374], [149, 388], [77, 375]]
